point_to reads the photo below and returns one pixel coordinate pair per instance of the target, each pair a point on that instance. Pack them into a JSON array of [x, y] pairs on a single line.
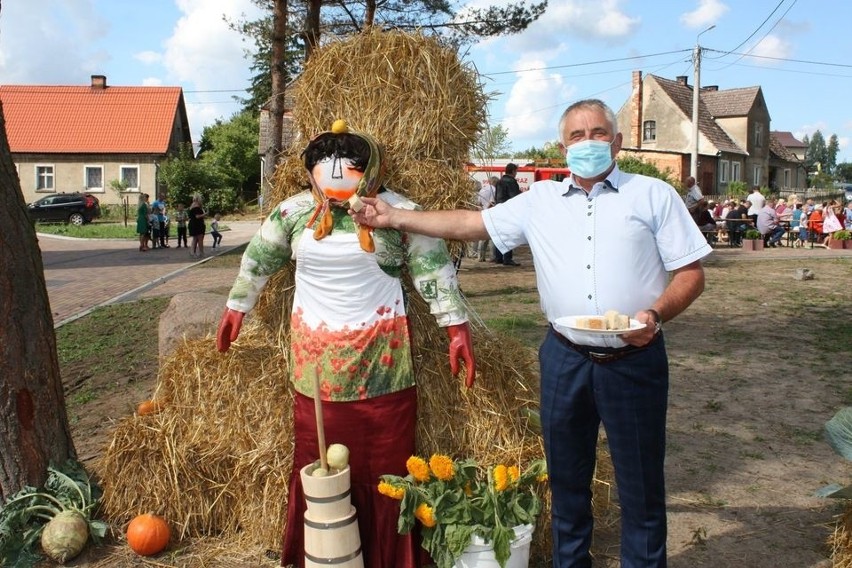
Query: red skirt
[[380, 435]]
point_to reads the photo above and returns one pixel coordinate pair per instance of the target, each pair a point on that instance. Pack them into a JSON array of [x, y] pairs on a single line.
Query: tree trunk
[[312, 27], [279, 84], [34, 430]]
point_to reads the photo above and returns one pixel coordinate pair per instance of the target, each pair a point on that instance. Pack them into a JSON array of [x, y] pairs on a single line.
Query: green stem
[[47, 496]]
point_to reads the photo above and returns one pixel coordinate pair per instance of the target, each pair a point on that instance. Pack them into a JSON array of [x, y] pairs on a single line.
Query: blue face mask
[[589, 158]]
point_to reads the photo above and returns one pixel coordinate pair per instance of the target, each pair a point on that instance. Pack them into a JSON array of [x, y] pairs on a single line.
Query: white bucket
[[479, 554], [327, 498], [334, 543]]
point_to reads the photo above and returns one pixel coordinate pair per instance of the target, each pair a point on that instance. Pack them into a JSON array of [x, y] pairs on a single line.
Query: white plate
[[570, 322]]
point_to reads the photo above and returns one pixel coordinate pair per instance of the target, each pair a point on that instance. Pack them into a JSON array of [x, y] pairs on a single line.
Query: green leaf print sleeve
[[267, 252], [432, 271]]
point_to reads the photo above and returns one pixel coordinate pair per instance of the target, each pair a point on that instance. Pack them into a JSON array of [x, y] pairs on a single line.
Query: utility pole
[[696, 61]]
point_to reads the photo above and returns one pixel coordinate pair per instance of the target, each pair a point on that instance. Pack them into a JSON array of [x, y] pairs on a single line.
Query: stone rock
[[189, 315], [804, 274]]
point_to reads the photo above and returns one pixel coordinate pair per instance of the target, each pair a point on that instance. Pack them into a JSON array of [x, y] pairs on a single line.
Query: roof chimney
[[636, 110], [681, 80], [99, 82], [710, 88]]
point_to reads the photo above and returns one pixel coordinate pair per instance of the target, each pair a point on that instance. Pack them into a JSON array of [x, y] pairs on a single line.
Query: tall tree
[[230, 149], [816, 156], [831, 153], [34, 430]]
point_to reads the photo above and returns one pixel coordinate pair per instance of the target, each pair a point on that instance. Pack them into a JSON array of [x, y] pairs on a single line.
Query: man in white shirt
[[693, 194], [485, 199], [647, 265], [757, 203]]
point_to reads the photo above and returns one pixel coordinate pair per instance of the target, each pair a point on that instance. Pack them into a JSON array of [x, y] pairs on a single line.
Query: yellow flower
[[501, 477], [391, 491], [425, 514], [442, 467], [514, 473], [542, 478], [418, 468]]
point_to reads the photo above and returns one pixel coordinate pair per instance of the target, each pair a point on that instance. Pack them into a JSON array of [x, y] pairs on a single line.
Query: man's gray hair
[[589, 104]]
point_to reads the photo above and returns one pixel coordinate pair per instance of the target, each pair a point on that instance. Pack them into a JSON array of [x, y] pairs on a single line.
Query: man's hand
[[373, 213], [461, 348], [229, 329], [643, 336]]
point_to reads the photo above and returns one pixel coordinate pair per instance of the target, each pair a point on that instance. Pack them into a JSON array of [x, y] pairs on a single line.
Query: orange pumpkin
[[148, 407], [148, 534]]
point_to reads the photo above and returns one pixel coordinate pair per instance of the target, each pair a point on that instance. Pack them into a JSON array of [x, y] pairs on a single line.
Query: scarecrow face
[[337, 178]]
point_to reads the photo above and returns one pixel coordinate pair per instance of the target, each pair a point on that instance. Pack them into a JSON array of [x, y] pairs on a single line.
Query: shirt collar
[[608, 183]]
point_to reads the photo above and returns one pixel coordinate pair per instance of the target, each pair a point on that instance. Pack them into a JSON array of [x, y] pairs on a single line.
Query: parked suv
[[74, 208]]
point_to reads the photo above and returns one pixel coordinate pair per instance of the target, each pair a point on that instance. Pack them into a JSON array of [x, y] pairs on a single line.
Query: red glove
[[461, 347], [229, 329]]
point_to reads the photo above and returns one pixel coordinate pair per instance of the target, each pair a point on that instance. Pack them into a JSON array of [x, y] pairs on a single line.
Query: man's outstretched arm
[[456, 224]]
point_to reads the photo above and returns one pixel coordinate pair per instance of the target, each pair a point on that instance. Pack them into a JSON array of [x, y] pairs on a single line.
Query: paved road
[[82, 274]]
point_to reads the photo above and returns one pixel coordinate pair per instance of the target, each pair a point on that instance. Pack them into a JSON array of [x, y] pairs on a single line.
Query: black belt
[[600, 354]]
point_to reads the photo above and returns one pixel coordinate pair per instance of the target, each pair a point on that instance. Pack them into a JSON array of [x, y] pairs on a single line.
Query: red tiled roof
[[72, 119]]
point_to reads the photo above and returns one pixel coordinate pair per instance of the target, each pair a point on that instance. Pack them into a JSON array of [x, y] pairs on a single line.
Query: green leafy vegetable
[[24, 515]]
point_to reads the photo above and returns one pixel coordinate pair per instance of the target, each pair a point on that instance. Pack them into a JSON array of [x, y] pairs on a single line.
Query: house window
[[649, 130], [787, 178], [758, 134], [735, 171], [130, 177], [44, 178], [725, 167], [94, 178], [756, 175]]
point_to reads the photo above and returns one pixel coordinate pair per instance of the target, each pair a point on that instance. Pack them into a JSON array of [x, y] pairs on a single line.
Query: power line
[[757, 29], [599, 62]]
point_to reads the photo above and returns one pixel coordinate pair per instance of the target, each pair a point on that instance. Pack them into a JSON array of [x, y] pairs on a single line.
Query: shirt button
[[590, 296], [589, 213], [589, 237], [589, 266]]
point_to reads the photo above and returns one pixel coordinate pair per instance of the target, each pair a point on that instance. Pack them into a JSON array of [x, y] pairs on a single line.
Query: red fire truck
[[526, 174]]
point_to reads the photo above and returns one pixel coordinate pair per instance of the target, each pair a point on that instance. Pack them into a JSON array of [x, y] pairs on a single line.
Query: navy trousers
[[629, 396]]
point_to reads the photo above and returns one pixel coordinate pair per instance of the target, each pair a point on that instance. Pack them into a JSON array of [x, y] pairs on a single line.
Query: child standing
[[181, 217], [214, 231], [163, 221], [154, 222]]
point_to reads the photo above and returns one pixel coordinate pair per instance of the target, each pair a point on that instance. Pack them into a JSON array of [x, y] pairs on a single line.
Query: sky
[[797, 51]]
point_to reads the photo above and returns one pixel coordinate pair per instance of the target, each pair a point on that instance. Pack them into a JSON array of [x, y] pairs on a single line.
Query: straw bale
[[841, 541]]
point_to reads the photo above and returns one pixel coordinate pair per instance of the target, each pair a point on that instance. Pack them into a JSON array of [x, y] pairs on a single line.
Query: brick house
[[734, 141], [80, 138]]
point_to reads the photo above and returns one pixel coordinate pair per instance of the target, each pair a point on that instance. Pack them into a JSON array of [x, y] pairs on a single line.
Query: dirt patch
[[758, 365]]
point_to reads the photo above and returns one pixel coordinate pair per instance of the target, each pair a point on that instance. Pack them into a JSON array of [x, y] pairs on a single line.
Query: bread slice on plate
[[615, 320], [592, 322]]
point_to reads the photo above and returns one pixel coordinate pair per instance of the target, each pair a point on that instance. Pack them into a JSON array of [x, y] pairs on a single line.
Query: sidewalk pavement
[[82, 274]]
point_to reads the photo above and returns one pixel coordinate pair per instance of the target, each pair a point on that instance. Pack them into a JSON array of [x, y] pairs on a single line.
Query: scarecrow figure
[[349, 327]]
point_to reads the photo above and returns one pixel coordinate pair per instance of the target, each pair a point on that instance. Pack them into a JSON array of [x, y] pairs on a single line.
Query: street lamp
[[696, 60]]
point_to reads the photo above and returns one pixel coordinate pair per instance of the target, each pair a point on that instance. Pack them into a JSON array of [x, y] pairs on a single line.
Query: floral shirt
[[348, 323]]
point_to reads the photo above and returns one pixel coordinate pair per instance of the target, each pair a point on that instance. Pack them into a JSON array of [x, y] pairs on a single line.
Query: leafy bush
[[636, 165], [752, 234], [737, 189]]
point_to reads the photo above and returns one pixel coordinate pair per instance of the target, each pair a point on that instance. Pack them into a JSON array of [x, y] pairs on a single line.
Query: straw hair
[[216, 460]]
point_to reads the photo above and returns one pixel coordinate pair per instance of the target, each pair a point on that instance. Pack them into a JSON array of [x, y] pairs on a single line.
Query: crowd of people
[[153, 225], [802, 221]]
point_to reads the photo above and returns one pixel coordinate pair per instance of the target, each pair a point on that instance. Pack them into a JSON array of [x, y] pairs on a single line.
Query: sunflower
[[442, 467], [418, 468]]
